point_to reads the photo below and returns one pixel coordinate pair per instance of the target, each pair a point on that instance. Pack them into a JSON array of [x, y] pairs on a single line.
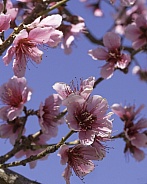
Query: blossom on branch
[[112, 54], [137, 32], [88, 117], [48, 115], [79, 159], [70, 32], [134, 132], [25, 45], [14, 94]]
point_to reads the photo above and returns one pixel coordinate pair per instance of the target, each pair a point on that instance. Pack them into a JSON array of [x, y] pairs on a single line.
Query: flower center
[[114, 56], [85, 120]]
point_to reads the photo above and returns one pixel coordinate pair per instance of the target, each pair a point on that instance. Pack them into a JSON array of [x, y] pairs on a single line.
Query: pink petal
[[4, 22], [139, 43], [51, 21], [118, 110], [142, 123], [141, 21], [138, 154], [111, 40], [67, 173], [19, 67], [139, 140], [9, 55], [14, 112], [132, 32], [63, 154], [86, 137], [99, 53], [40, 35], [107, 70], [55, 38]]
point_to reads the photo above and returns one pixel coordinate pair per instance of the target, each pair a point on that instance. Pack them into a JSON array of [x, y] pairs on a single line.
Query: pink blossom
[[112, 54], [11, 10], [14, 94], [70, 32], [126, 113], [139, 8], [137, 32], [4, 22], [48, 115], [84, 89], [88, 117], [25, 47], [11, 129], [79, 159], [134, 133]]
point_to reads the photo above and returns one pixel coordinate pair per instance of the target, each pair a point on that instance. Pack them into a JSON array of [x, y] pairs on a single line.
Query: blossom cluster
[[84, 114], [87, 115]]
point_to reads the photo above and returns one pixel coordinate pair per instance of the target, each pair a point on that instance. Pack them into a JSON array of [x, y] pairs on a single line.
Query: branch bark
[[8, 176]]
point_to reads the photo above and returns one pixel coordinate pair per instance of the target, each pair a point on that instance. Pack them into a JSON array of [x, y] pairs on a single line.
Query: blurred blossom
[[142, 73], [70, 32], [4, 22], [79, 159], [137, 32], [112, 54], [134, 131], [126, 113], [11, 10], [48, 115], [88, 117], [95, 7], [14, 94], [84, 89], [128, 15]]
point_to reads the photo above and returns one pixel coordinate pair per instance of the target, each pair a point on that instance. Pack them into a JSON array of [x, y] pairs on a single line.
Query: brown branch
[[8, 176], [48, 150]]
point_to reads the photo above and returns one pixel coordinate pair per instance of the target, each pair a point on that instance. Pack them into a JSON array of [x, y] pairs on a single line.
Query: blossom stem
[[120, 135], [98, 81]]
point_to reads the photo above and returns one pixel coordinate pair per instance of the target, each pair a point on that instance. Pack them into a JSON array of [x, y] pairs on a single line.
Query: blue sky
[[121, 88]]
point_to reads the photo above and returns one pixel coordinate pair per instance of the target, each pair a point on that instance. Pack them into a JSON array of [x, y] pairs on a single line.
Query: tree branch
[[8, 176]]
